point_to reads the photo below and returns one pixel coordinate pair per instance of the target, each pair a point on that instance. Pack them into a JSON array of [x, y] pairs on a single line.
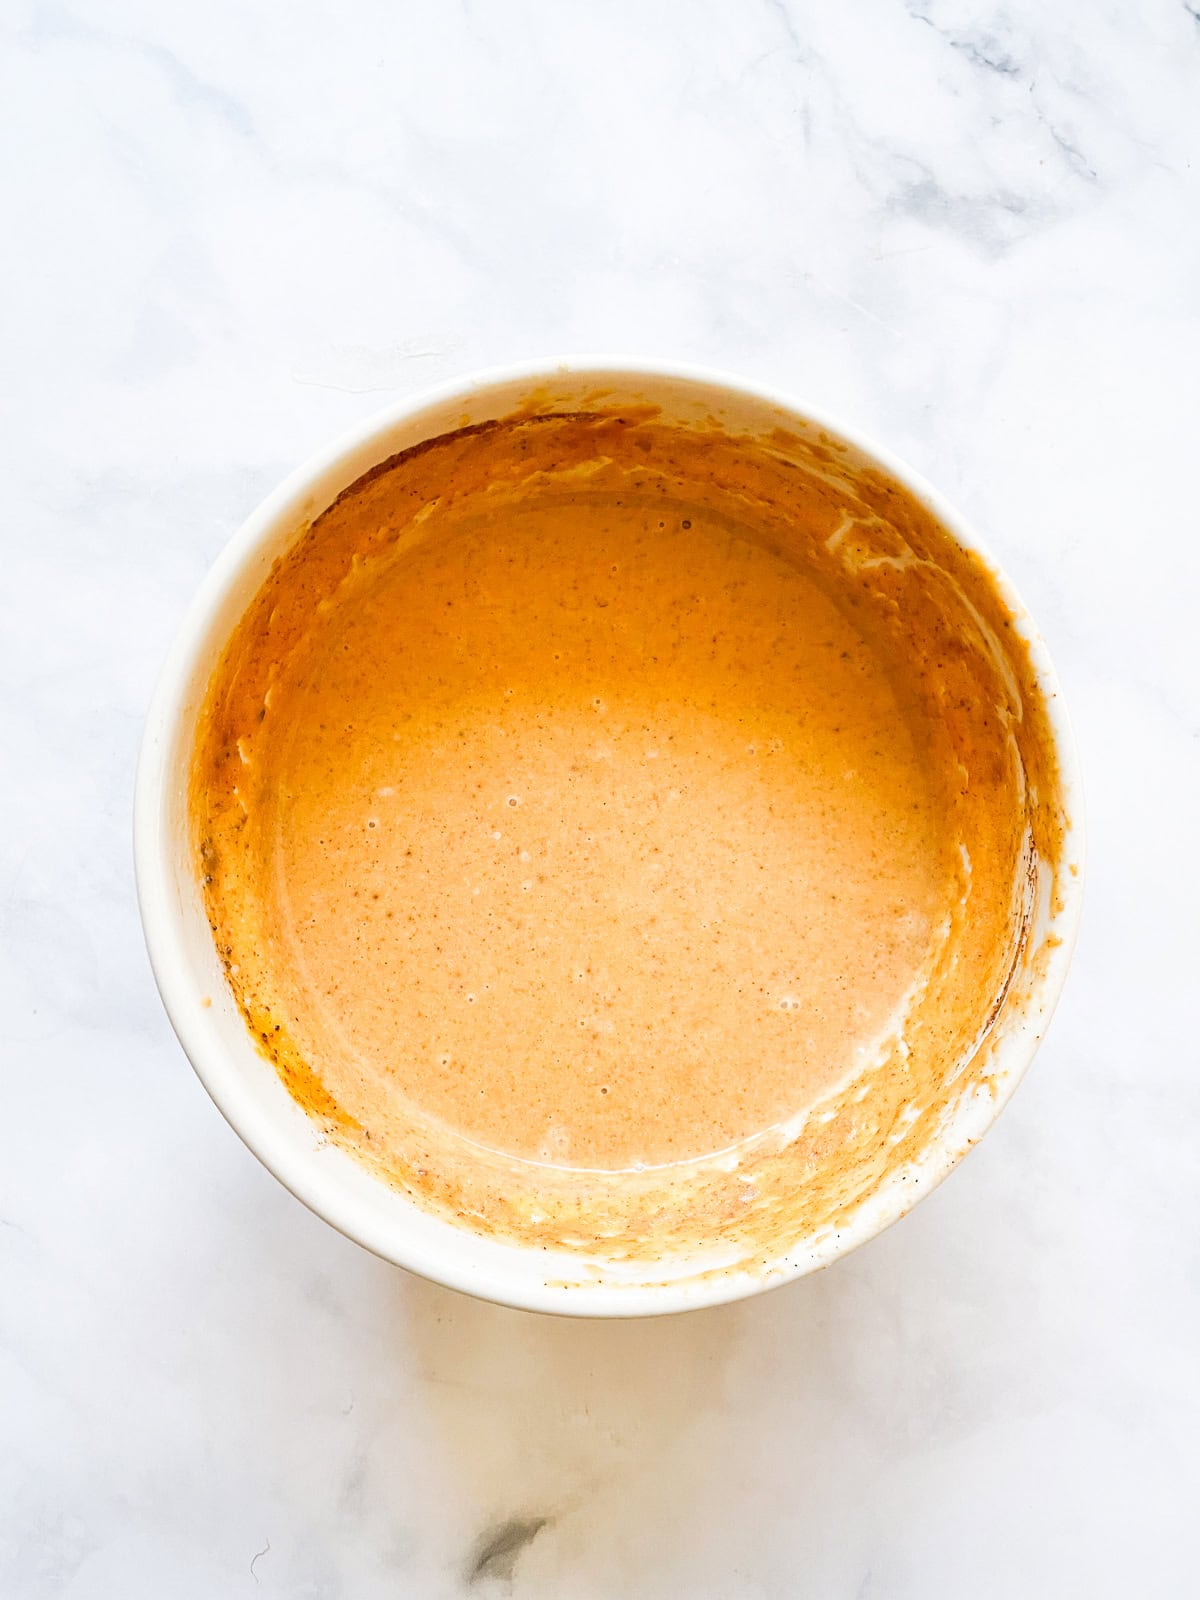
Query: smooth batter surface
[[582, 797], [598, 836]]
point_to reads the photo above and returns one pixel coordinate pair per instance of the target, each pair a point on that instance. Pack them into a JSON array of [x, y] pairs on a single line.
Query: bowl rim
[[163, 919]]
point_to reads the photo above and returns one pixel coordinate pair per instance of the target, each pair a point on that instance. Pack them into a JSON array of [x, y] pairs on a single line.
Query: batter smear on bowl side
[[588, 808]]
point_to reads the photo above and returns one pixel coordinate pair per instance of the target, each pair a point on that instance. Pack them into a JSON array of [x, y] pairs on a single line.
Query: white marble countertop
[[971, 229]]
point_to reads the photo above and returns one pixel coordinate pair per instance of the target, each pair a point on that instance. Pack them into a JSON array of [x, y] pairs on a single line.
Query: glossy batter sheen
[[552, 807]]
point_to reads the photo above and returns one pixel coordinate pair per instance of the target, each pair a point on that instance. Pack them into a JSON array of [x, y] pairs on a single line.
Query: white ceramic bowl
[[211, 1029]]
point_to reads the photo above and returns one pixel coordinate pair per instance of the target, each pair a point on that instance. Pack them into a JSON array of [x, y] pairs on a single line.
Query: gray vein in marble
[[988, 51], [54, 24], [1070, 150], [782, 12], [256, 1558], [991, 222], [992, 217], [984, 51], [500, 1548]]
